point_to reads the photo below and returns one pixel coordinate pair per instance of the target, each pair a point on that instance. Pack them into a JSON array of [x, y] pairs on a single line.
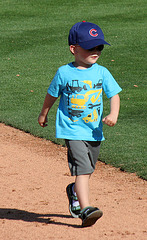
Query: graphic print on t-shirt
[[83, 95]]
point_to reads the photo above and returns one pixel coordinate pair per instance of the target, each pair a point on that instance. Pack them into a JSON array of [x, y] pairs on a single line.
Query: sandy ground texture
[[33, 202]]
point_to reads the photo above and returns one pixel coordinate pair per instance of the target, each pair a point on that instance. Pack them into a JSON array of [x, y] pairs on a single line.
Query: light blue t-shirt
[[79, 114]]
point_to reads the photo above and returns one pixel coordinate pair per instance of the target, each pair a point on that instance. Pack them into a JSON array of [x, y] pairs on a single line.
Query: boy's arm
[[111, 119], [48, 103]]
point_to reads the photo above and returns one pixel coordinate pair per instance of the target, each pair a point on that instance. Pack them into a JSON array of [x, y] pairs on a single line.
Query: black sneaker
[[75, 211], [90, 215]]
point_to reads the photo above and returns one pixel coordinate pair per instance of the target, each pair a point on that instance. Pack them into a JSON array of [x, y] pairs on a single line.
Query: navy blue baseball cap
[[87, 35]]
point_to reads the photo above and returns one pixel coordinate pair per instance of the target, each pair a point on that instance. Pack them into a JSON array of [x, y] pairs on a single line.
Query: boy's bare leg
[[82, 190]]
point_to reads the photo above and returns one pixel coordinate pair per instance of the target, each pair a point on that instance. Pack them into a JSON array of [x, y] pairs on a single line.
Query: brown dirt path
[[33, 203]]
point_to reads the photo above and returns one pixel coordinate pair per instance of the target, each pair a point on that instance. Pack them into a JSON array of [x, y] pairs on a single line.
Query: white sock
[[75, 203]]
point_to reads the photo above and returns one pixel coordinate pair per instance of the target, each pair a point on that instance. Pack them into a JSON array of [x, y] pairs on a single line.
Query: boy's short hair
[[87, 35]]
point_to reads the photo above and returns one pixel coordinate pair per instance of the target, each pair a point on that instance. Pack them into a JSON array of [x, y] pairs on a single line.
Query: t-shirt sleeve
[[110, 86], [56, 85]]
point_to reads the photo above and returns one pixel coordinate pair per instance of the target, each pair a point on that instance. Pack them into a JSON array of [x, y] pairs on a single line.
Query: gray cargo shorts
[[82, 156]]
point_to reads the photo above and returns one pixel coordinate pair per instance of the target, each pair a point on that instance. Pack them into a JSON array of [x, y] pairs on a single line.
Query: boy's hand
[[42, 120], [48, 102], [110, 120]]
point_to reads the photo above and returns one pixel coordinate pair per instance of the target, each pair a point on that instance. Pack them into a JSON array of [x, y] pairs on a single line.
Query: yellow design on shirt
[[81, 99], [89, 117]]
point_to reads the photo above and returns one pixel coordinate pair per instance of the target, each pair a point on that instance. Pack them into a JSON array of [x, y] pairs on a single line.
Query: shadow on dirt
[[15, 214]]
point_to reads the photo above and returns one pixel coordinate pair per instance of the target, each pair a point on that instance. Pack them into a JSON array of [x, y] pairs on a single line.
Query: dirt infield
[[33, 203]]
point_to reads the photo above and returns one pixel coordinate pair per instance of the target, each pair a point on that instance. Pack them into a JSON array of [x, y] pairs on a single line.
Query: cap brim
[[93, 43]]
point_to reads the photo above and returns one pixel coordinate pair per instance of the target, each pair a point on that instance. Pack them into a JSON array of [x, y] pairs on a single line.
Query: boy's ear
[[72, 49]]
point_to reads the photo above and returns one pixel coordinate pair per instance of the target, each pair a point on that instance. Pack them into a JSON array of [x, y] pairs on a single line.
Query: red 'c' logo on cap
[[93, 32]]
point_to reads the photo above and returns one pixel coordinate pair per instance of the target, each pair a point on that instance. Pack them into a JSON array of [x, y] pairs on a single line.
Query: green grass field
[[34, 44]]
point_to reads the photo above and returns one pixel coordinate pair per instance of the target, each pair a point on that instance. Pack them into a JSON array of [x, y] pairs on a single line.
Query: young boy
[[79, 116]]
